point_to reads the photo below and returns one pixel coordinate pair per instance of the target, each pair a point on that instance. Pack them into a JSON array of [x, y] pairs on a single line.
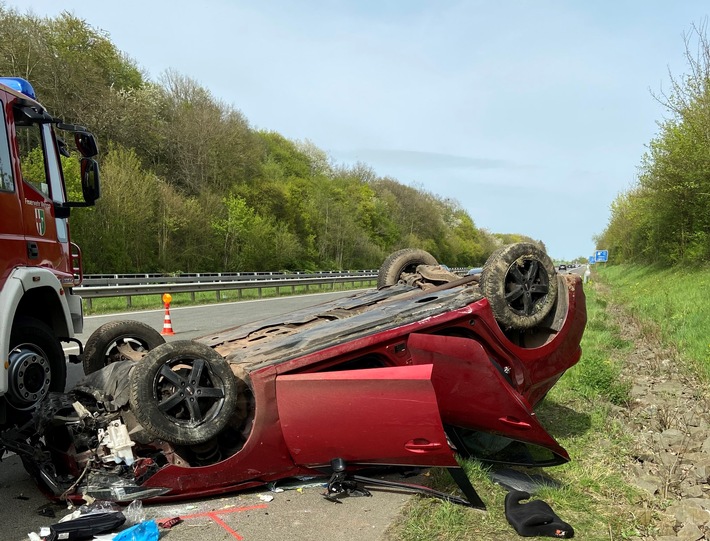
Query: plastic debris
[[115, 437], [135, 514], [299, 485], [98, 506], [170, 522], [84, 526], [46, 510], [145, 531], [521, 481], [266, 497]]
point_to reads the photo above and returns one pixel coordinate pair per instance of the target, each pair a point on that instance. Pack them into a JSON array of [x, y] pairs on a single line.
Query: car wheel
[[37, 365], [520, 284], [183, 392], [401, 261], [119, 341]]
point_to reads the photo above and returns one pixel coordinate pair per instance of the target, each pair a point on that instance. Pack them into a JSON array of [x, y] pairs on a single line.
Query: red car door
[[371, 416], [14, 248], [474, 394]]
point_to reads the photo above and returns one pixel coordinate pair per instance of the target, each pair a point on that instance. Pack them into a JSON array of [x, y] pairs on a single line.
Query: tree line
[[188, 185], [665, 217]]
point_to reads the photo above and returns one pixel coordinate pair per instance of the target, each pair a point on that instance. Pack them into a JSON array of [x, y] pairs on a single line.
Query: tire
[[119, 341], [401, 261], [37, 364], [520, 283], [164, 397]]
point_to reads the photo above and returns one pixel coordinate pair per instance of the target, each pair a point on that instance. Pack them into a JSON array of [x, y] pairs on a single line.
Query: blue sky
[[534, 115]]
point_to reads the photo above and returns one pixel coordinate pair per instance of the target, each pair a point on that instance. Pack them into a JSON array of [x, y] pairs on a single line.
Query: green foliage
[[33, 165], [665, 217], [671, 301], [122, 233], [71, 167], [187, 183], [598, 374]]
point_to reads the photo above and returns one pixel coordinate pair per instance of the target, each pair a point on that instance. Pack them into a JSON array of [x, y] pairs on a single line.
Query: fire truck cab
[[39, 265]]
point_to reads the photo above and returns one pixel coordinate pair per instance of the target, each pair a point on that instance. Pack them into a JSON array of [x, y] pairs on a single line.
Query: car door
[[46, 236], [369, 416], [475, 395], [14, 250]]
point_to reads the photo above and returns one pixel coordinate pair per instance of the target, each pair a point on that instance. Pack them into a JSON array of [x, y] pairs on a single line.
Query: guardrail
[[174, 285], [91, 280], [97, 286]]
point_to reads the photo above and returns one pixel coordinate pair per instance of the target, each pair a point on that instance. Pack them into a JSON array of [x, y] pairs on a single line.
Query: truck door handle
[[515, 423], [421, 445], [32, 250]]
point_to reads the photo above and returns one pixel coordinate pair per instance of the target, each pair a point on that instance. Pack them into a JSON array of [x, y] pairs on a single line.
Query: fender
[[21, 281]]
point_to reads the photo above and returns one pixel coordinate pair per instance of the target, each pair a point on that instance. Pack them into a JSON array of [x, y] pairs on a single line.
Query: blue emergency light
[[19, 84]]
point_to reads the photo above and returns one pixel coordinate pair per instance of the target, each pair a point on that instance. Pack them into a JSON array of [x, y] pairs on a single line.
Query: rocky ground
[[668, 418]]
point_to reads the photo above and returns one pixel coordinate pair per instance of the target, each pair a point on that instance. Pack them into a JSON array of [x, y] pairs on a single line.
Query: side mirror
[[90, 189], [90, 186], [86, 144]]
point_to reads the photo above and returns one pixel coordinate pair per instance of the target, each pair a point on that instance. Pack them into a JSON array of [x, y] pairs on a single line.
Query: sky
[[533, 115]]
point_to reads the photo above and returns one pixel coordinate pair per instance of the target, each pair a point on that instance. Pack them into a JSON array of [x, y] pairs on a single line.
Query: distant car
[[427, 366], [562, 268]]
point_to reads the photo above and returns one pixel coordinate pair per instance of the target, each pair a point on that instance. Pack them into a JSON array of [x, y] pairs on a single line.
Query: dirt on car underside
[[256, 345]]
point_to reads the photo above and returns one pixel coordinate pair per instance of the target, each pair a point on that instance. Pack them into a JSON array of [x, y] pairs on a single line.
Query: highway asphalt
[[297, 513]]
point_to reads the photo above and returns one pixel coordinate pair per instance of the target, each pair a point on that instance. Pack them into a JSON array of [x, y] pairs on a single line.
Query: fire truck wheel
[[119, 341], [37, 364], [183, 392], [401, 261], [520, 283]]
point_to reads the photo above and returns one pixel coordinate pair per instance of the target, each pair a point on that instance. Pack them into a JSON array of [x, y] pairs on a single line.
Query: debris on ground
[[145, 531]]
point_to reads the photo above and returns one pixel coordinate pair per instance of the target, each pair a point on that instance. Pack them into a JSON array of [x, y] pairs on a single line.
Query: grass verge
[[669, 302]]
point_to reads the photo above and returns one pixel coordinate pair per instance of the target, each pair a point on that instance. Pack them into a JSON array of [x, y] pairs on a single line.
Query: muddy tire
[[37, 364], [401, 261], [119, 341], [183, 392], [520, 283]]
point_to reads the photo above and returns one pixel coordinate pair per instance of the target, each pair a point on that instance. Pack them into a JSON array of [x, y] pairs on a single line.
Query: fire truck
[[39, 265]]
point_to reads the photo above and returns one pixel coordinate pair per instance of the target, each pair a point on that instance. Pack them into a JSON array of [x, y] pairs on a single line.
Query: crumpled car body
[[397, 376]]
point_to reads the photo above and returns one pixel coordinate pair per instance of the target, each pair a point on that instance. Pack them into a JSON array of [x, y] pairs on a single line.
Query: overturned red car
[[428, 366]]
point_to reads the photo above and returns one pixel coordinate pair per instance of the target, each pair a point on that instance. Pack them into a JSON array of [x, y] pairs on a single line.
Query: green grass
[[148, 302], [670, 302], [595, 497]]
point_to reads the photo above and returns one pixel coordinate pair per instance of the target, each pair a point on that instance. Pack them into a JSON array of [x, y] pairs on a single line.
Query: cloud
[[422, 159]]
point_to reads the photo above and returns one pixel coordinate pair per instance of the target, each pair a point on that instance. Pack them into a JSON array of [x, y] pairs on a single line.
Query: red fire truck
[[39, 265]]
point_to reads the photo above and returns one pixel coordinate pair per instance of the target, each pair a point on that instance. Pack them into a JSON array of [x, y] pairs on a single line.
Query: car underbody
[[411, 374]]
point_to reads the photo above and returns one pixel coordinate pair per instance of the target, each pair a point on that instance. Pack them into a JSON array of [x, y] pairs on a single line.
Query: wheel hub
[[29, 377]]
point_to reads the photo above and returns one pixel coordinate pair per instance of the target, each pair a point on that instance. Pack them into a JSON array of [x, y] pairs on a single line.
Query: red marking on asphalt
[[214, 515], [225, 526]]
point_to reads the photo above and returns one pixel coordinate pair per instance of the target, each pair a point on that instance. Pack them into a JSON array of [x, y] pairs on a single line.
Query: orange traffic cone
[[167, 322]]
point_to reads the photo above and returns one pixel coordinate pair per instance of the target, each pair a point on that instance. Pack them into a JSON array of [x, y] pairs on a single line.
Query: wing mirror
[[90, 186], [86, 144]]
